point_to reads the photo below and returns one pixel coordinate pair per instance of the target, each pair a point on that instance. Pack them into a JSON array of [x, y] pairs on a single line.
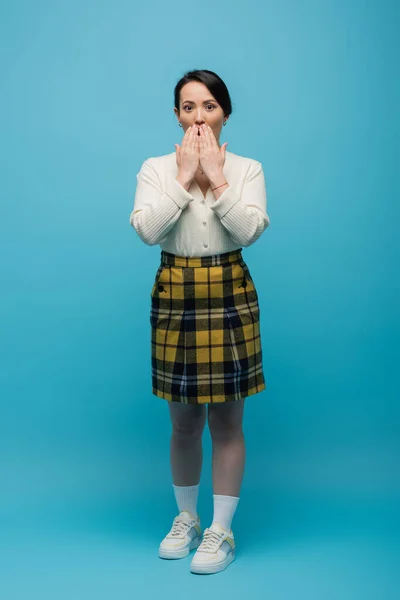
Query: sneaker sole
[[216, 568], [174, 554]]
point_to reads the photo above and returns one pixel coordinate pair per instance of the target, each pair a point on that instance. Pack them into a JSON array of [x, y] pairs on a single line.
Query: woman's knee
[[187, 420], [226, 420]]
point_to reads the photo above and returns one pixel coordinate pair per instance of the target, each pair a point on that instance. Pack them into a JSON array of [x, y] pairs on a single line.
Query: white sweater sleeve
[[245, 217], [155, 210]]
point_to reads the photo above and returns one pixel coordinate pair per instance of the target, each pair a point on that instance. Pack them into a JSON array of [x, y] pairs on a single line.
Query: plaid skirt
[[205, 330]]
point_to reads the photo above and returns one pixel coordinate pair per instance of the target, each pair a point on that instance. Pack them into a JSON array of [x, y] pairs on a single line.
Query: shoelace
[[211, 541], [180, 527]]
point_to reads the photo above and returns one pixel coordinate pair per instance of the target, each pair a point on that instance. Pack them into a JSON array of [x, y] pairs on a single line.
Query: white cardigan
[[187, 224]]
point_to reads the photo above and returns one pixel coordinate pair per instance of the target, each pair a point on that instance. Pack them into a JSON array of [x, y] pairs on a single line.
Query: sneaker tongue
[[217, 527], [186, 514]]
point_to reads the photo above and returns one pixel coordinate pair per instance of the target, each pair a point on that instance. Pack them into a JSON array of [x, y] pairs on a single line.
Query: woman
[[201, 204]]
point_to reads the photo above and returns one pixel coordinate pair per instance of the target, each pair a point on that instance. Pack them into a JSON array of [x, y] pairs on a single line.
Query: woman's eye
[[208, 105]]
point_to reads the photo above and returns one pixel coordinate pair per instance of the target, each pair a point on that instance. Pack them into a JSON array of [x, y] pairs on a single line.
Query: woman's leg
[[228, 458], [186, 461], [228, 447], [188, 421]]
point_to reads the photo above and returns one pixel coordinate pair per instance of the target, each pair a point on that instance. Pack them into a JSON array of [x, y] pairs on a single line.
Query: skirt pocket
[[248, 282], [246, 271], [156, 279]]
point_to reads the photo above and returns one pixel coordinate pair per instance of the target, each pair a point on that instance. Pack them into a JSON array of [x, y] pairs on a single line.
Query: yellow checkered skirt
[[205, 330]]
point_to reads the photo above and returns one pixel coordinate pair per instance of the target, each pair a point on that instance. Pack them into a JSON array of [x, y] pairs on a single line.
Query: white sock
[[224, 510], [186, 497]]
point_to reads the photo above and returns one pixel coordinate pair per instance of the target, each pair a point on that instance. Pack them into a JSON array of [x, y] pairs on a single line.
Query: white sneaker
[[216, 551], [185, 535]]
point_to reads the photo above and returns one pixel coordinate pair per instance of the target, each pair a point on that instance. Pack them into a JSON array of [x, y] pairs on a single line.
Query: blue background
[[86, 94]]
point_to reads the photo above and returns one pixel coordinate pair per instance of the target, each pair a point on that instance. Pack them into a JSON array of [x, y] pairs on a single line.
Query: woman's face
[[198, 106]]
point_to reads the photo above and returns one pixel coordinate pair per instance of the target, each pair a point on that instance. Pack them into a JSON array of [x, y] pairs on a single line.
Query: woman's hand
[[212, 158], [187, 156]]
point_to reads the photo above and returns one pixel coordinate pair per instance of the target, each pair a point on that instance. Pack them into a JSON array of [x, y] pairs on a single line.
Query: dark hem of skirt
[[159, 394]]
